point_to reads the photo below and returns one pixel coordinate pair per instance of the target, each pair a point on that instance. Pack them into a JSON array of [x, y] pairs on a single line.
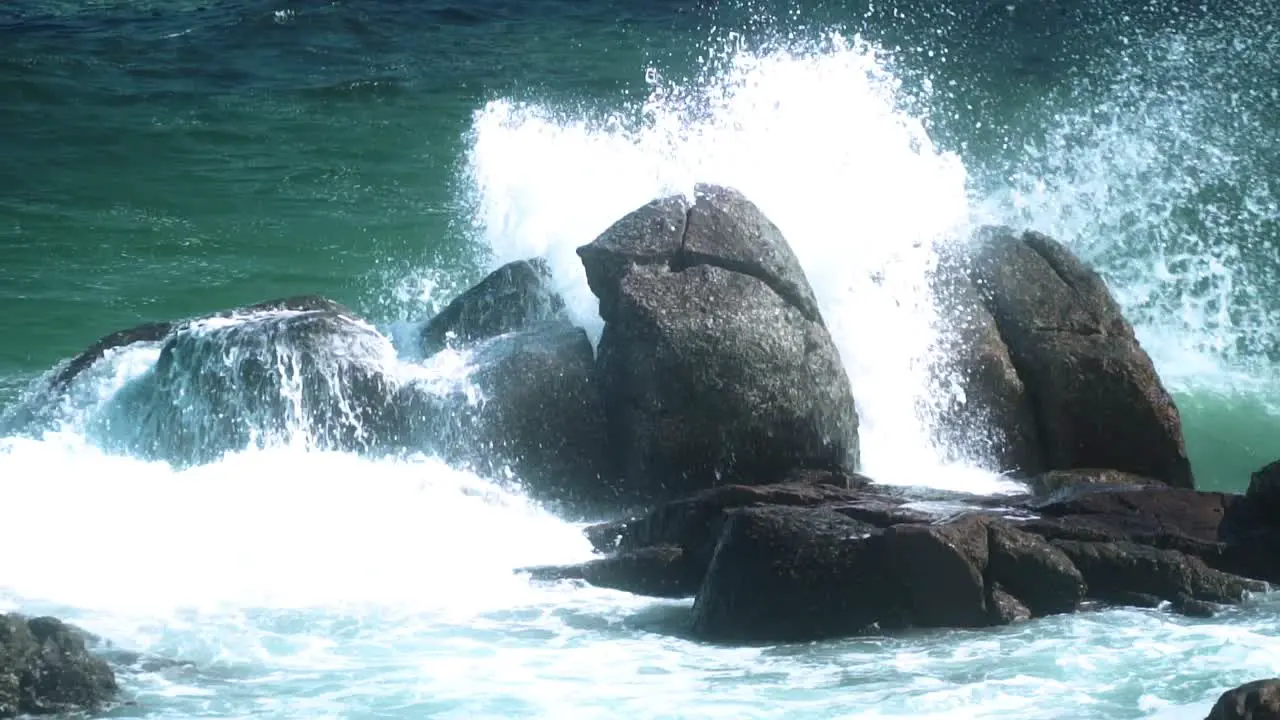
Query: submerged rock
[[1257, 700], [513, 297], [714, 364], [1044, 354], [45, 668]]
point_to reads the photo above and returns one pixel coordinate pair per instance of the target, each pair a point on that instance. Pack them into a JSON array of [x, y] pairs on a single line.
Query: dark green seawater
[[170, 158]]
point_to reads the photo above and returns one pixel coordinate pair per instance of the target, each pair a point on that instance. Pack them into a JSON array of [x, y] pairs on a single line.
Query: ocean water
[[167, 158]]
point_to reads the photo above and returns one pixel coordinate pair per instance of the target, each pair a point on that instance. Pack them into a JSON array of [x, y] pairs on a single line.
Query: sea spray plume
[[1161, 174], [814, 135]]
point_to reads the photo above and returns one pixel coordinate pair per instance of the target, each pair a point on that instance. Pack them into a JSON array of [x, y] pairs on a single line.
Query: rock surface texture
[[46, 669], [820, 556], [1258, 700], [1049, 366], [714, 364], [530, 406]]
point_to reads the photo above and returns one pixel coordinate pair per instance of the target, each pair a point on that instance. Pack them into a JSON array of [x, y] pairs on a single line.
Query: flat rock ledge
[[826, 555]]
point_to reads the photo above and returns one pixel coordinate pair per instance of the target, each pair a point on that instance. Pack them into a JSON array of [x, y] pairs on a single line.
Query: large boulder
[[1044, 356], [714, 363], [1257, 700], [513, 297], [45, 668]]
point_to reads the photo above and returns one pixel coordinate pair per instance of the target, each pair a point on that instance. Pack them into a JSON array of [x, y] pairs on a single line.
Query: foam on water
[[815, 136]]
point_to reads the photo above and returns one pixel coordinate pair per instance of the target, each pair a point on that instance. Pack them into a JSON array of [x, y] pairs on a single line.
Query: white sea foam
[[817, 139]]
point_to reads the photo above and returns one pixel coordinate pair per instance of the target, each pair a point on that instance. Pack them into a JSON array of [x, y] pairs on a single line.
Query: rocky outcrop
[[513, 297], [45, 668], [828, 555], [1048, 362], [1257, 700], [714, 364]]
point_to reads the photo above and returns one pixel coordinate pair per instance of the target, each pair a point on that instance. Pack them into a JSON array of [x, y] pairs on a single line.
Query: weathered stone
[[513, 297], [45, 669], [1258, 700], [714, 364], [941, 568], [1112, 568], [791, 574], [538, 417], [1094, 396], [1032, 569]]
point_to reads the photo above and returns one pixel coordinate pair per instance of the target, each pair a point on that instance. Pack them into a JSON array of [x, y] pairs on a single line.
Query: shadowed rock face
[[513, 297], [714, 363], [1258, 700], [826, 555], [537, 417], [45, 669], [1050, 364]]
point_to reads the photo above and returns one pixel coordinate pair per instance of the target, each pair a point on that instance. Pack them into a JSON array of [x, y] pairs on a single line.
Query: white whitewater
[[818, 141], [306, 584]]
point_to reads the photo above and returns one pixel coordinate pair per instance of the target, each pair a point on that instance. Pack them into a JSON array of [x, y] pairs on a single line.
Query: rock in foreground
[[45, 668], [715, 365], [1258, 700], [809, 560]]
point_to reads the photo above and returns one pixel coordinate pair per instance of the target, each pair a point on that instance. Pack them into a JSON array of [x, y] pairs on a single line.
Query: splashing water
[[311, 583], [816, 138]]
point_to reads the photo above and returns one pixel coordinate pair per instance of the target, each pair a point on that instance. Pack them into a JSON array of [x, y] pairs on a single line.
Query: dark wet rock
[[45, 668], [1094, 394], [659, 571], [1038, 573], [1184, 604], [941, 568], [694, 523], [993, 419], [513, 297], [1257, 700], [1227, 532], [714, 364], [1113, 568], [1057, 485], [784, 574], [1135, 599], [538, 417], [1003, 608], [1264, 488]]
